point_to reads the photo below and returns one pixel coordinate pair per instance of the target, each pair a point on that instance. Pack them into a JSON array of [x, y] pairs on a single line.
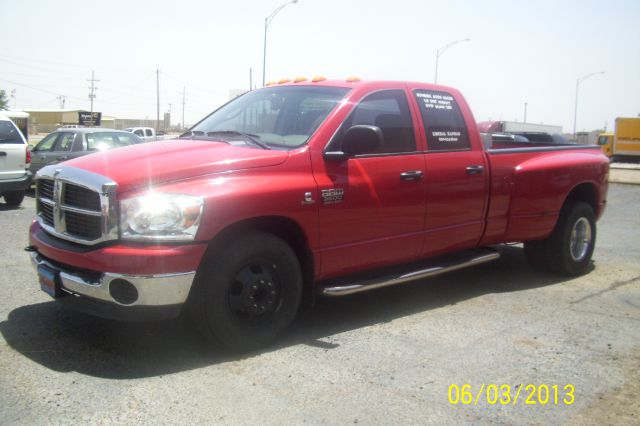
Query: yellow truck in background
[[624, 142]]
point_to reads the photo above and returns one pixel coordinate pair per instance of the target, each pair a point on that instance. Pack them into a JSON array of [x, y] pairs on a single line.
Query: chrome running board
[[463, 260]]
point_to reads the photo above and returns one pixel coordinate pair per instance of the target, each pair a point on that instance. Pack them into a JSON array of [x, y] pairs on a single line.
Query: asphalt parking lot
[[385, 357]]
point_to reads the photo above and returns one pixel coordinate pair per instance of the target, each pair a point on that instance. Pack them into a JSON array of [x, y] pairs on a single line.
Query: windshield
[[278, 117]]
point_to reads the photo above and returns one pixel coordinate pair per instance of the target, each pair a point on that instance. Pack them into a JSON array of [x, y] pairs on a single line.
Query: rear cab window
[[443, 122]]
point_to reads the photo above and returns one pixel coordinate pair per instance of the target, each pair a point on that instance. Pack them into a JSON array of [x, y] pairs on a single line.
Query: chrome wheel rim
[[580, 239]]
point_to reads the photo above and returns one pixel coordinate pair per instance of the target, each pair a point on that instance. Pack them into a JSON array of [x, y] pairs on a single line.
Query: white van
[[15, 157]]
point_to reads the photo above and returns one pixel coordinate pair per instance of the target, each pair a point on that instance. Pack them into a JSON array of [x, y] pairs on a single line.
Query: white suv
[[15, 157]]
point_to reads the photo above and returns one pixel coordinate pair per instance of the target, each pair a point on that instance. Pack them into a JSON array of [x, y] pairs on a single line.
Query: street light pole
[[575, 111], [267, 21], [443, 49]]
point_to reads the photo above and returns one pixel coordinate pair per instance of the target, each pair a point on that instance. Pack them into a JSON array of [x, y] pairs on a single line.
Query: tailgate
[[12, 160]]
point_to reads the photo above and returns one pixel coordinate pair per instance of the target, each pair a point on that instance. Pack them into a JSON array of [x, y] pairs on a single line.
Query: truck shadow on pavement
[[64, 340]]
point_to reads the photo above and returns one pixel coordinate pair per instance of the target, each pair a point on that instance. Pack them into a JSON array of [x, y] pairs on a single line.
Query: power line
[[35, 88]]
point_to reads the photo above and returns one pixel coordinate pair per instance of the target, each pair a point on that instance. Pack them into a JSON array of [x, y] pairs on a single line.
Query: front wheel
[[569, 248], [247, 292]]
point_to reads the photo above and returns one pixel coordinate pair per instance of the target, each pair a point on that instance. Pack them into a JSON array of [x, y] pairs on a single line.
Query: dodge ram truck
[[299, 189]]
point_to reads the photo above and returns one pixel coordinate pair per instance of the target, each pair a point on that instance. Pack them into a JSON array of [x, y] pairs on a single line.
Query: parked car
[[15, 177], [147, 134], [324, 187], [66, 144]]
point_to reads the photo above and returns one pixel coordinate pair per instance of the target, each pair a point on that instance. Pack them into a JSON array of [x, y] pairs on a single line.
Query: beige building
[[47, 121]]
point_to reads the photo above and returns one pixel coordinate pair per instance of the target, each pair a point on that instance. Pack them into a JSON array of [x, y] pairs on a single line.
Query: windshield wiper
[[191, 134], [254, 139]]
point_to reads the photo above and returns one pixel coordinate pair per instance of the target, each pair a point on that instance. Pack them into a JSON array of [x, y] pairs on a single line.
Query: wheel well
[[584, 192], [284, 228]]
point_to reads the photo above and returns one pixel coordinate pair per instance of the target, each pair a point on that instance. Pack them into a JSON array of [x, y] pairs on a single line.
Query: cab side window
[[65, 142], [148, 132], [47, 143], [443, 121], [389, 111], [139, 132]]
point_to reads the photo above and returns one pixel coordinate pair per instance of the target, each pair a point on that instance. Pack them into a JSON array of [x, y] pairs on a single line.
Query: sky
[[519, 52]]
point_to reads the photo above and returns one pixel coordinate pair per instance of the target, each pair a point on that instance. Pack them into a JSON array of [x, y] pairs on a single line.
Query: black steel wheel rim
[[254, 294]]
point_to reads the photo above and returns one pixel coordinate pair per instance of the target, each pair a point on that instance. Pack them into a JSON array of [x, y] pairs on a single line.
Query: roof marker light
[[353, 79], [299, 79], [284, 80], [318, 78], [270, 83]]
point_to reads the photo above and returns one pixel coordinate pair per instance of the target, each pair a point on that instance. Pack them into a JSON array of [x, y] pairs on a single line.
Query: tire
[[569, 248], [247, 292], [14, 198], [573, 240]]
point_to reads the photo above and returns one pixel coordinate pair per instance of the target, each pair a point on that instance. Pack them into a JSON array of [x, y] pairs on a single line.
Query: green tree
[[4, 101]]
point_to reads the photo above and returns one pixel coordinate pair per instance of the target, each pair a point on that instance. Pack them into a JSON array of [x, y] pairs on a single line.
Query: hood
[[153, 163]]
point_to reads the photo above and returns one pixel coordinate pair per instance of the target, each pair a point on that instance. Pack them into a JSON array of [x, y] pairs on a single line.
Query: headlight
[[171, 217]]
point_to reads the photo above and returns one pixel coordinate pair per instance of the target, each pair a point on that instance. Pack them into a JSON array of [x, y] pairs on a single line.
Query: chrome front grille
[[76, 205], [83, 198], [45, 186]]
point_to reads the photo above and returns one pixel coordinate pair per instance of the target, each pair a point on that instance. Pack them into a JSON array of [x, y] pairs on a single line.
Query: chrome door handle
[[475, 170], [411, 175]]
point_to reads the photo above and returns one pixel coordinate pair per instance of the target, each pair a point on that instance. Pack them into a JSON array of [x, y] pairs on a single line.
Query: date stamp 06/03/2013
[[505, 394]]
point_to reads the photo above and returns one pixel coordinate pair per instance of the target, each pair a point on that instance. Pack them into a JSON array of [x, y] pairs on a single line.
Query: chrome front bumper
[[152, 290]]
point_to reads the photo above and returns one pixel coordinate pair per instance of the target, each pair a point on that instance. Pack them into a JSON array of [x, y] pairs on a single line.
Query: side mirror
[[359, 139], [362, 139]]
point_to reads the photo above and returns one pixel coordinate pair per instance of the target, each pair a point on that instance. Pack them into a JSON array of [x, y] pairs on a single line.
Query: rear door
[[13, 151], [456, 176]]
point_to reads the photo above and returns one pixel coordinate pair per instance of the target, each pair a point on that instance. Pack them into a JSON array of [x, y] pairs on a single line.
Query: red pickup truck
[[305, 188]]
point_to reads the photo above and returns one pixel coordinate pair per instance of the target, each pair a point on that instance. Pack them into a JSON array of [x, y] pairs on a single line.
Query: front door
[[372, 206], [41, 153]]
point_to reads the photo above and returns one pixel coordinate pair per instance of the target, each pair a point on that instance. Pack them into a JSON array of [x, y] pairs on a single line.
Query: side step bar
[[464, 260]]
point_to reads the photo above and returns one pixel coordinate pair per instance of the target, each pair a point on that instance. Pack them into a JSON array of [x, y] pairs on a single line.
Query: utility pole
[[184, 94], [525, 112], [250, 78], [93, 88], [169, 115], [62, 100], [158, 100]]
